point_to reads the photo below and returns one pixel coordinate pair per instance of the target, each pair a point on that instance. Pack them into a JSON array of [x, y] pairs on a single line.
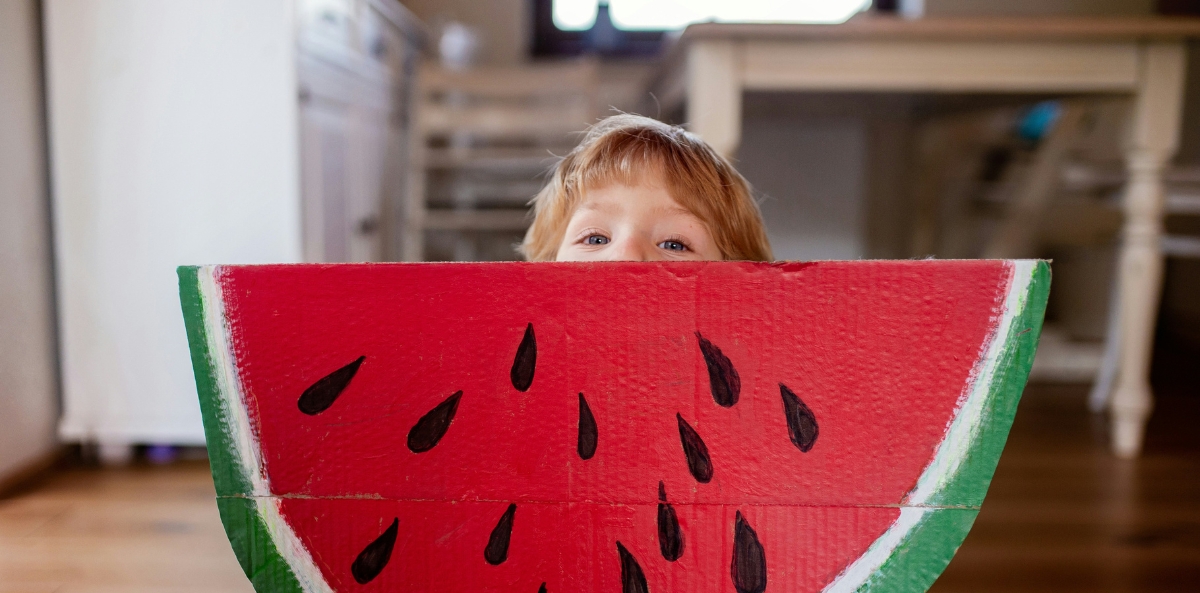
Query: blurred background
[[138, 135]]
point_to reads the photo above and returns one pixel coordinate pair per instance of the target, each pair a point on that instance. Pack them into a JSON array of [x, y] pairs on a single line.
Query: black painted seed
[[749, 565], [375, 556], [587, 430], [542, 589], [320, 395], [696, 452], [433, 425], [525, 361], [670, 536], [723, 379], [802, 424], [496, 551], [633, 580]]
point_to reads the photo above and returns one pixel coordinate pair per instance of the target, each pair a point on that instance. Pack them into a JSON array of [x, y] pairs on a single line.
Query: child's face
[[635, 223]]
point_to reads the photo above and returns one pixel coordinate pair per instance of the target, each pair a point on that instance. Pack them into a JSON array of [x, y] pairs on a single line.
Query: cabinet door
[[355, 68], [344, 122], [369, 147], [325, 142]]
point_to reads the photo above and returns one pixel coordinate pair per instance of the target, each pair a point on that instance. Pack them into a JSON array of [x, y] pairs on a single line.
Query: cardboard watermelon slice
[[623, 428]]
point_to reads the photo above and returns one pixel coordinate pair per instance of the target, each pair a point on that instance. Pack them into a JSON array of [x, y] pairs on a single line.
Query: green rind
[[970, 484], [917, 562], [251, 541], [254, 548], [228, 476]]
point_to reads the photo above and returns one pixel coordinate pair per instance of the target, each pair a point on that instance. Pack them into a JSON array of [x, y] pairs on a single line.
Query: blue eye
[[673, 246], [596, 240]]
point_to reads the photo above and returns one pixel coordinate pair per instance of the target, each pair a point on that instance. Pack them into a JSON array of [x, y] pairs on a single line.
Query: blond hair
[[623, 149]]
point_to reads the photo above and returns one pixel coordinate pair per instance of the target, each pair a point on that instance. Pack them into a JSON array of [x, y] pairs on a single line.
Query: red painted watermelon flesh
[[607, 427]]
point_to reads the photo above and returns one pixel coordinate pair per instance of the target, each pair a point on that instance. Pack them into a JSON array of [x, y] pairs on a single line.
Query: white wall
[[28, 398], [173, 135], [810, 174]]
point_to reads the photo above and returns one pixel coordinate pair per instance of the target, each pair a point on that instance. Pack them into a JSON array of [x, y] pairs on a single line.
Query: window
[[637, 27], [660, 15]]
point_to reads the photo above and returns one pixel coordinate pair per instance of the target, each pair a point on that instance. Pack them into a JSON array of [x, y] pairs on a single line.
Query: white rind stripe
[[960, 435], [228, 382], [862, 569], [235, 419]]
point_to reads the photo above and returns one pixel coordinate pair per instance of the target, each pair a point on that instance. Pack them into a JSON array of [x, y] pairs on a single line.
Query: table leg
[[714, 94], [1154, 136]]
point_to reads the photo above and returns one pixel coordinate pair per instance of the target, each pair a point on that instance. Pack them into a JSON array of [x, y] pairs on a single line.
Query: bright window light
[[574, 15], [578, 15]]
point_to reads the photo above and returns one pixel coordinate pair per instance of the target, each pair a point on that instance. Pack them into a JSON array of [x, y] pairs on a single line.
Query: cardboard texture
[[615, 427]]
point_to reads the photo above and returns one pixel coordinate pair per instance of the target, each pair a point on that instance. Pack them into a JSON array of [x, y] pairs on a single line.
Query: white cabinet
[[357, 60]]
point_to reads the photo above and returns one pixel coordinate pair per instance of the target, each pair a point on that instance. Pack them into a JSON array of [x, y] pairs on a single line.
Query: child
[[637, 189]]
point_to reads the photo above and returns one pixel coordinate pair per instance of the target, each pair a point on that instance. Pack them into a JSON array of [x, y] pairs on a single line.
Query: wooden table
[[712, 64]]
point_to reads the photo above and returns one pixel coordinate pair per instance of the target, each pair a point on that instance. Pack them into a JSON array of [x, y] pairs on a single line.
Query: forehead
[[619, 198]]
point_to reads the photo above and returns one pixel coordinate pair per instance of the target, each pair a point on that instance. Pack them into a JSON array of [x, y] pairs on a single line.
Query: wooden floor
[[137, 530], [1062, 516]]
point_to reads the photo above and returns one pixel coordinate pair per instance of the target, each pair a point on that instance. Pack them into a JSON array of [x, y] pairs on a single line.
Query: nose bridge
[[629, 249]]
